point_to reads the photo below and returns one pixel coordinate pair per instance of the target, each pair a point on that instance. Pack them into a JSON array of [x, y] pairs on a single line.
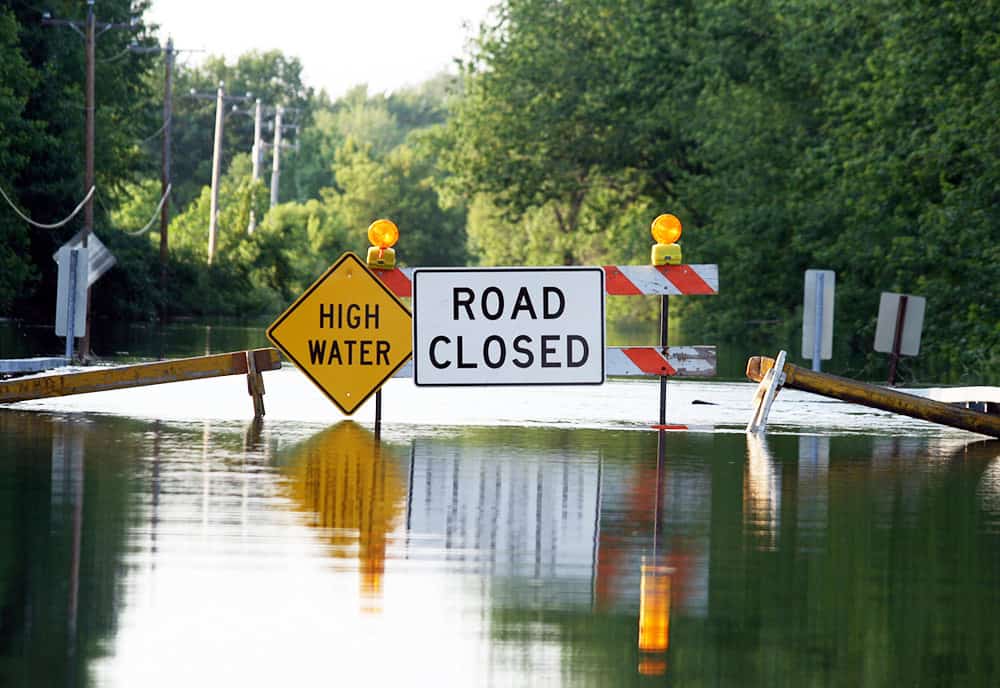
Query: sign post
[[900, 323], [817, 316], [348, 333], [71, 295], [508, 326]]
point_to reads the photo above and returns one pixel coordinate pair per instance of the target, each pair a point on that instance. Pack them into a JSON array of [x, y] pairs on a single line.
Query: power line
[[55, 225], [159, 207]]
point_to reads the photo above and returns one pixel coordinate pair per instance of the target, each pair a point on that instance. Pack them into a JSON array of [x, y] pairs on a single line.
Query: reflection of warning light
[[654, 617]]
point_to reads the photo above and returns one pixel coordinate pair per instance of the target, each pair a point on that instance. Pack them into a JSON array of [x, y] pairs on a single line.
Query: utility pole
[[89, 33], [258, 154], [168, 116], [276, 161], [216, 167], [90, 110]]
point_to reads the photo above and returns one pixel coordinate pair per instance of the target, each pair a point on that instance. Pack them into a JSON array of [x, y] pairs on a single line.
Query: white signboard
[[817, 315], [79, 294], [913, 323], [508, 326], [99, 260]]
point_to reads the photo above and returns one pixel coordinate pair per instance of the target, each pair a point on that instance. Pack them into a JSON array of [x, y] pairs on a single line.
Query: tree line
[[786, 134]]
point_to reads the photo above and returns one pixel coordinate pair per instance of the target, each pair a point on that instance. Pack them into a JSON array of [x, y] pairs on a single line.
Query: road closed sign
[[508, 326]]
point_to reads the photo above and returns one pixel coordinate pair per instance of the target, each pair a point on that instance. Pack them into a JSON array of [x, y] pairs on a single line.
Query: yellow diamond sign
[[348, 333]]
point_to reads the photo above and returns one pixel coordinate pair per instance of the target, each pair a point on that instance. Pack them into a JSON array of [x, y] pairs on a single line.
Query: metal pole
[[216, 168], [897, 339], [378, 413], [818, 331], [89, 110], [664, 323], [276, 160], [168, 90], [71, 314], [256, 158], [88, 173]]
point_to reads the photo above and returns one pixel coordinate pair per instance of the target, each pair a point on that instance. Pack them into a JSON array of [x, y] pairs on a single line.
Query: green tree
[[400, 187], [15, 132], [561, 100]]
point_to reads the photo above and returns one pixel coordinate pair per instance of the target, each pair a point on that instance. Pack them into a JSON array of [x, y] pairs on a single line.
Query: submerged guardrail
[[251, 363]]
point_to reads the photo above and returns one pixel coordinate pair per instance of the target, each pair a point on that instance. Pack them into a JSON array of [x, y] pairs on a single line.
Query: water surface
[[157, 537]]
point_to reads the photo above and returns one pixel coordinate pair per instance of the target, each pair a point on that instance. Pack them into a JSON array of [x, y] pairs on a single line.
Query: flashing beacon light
[[666, 230], [383, 235]]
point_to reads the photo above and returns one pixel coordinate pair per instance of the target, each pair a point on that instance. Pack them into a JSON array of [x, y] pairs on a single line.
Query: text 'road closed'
[[508, 326]]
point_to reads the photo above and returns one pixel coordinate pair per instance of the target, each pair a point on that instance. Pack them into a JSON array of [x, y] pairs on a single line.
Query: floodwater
[[492, 537]]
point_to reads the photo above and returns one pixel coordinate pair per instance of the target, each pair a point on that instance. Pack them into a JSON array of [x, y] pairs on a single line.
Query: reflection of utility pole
[[216, 166], [89, 33], [276, 166]]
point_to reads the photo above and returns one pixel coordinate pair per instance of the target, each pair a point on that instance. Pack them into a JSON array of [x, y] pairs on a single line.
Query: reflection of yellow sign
[[348, 333], [341, 477]]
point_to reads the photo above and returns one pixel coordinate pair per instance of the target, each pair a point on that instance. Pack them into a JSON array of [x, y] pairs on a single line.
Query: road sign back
[[348, 333]]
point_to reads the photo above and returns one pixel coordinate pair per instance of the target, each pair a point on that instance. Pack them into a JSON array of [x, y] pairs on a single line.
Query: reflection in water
[[354, 495], [812, 491], [231, 555], [761, 495]]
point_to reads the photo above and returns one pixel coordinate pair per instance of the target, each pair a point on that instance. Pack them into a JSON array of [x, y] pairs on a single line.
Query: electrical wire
[[159, 207], [55, 225], [155, 133]]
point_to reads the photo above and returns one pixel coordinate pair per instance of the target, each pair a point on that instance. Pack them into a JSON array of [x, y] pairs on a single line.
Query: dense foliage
[[787, 134]]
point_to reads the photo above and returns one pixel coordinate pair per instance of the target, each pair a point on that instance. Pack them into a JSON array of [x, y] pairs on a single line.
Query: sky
[[387, 44]]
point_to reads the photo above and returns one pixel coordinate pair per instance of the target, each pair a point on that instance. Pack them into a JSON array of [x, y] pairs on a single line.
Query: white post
[[818, 336], [257, 155], [276, 166], [213, 211]]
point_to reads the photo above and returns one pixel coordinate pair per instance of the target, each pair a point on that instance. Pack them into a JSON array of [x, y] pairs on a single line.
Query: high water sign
[[508, 326], [348, 333]]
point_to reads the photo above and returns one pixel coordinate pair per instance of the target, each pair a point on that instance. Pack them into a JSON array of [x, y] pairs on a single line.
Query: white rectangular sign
[[888, 316], [508, 326], [99, 258]]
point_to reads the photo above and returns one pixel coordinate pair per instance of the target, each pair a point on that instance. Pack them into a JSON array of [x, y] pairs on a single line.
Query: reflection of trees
[[64, 504], [354, 494]]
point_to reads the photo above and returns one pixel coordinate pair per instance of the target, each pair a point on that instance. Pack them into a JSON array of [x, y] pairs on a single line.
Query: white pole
[[213, 211], [257, 151], [276, 167]]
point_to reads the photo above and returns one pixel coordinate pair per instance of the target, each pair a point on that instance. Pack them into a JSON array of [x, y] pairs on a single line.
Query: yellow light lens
[[666, 229], [383, 233]]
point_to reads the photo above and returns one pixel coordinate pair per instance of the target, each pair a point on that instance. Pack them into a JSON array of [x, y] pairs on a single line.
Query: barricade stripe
[[398, 280], [649, 361], [617, 284], [687, 279], [619, 280]]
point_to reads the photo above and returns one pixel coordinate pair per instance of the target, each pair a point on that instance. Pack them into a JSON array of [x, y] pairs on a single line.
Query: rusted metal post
[[255, 386], [897, 339]]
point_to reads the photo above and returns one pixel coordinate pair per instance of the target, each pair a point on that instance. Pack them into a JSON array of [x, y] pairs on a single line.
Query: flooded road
[[494, 537]]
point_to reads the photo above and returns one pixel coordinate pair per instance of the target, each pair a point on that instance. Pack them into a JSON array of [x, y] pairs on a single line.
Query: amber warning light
[[666, 230], [383, 235]]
